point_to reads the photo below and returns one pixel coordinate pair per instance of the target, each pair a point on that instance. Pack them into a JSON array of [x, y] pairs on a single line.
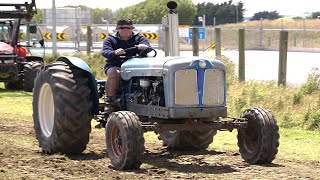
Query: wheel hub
[[116, 141], [46, 110]]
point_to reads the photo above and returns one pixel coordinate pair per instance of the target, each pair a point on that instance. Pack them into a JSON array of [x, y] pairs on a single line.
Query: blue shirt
[[113, 42]]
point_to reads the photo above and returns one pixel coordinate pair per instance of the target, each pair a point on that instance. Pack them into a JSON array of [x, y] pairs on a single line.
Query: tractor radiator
[[199, 87]]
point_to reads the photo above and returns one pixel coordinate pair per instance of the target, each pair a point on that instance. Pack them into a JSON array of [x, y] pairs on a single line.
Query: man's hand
[[142, 47], [119, 52]]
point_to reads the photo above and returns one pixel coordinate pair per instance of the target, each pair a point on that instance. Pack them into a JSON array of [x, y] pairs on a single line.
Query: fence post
[[195, 41], [269, 41], [242, 55], [218, 41], [283, 49], [89, 40], [260, 33]]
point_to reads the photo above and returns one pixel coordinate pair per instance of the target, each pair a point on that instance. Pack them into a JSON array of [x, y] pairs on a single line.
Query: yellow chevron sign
[[150, 35], [103, 35], [47, 36], [21, 36], [213, 46], [61, 35]]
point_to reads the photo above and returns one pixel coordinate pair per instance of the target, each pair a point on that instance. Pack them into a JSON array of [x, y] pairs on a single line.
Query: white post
[[260, 37], [54, 30], [204, 26], [174, 34], [107, 23]]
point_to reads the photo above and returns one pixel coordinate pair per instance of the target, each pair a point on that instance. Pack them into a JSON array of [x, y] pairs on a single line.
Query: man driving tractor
[[114, 50]]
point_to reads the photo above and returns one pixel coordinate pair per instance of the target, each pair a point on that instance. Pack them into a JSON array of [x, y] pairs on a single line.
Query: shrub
[[313, 82], [297, 97], [240, 103], [312, 120], [230, 70]]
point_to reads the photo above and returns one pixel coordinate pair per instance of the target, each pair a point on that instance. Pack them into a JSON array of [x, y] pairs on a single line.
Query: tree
[[266, 15], [226, 12], [98, 15], [152, 11], [38, 17], [315, 15]]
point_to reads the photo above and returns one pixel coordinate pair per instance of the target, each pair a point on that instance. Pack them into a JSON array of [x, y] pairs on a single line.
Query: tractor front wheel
[[124, 140], [259, 142]]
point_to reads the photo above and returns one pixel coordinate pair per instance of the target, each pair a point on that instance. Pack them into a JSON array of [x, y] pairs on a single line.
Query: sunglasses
[[124, 28]]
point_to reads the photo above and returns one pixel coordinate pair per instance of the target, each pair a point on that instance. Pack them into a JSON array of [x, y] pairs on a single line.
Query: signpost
[[201, 33]]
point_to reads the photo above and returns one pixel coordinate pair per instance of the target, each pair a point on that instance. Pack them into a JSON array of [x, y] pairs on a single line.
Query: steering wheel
[[139, 55]]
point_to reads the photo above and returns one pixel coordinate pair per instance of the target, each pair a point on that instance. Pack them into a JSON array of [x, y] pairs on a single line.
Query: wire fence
[[304, 34]]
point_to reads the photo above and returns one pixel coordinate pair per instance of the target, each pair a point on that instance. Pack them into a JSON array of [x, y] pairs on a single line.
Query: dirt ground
[[21, 158]]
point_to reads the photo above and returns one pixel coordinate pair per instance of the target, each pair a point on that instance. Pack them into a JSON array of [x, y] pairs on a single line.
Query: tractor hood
[[5, 48], [159, 66]]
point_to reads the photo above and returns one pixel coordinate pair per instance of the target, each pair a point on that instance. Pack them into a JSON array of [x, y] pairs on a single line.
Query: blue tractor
[[182, 99]]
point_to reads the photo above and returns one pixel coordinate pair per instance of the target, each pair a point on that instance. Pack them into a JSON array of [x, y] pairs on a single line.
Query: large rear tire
[[188, 140], [124, 140], [62, 109], [30, 70], [259, 142]]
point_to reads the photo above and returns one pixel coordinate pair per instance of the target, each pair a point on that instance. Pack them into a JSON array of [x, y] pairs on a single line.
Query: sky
[[284, 7]]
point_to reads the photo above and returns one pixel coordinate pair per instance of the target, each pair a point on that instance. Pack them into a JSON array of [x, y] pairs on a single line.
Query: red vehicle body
[[21, 46]]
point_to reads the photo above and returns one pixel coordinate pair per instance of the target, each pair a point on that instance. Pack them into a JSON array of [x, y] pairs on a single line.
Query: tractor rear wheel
[[30, 70], [259, 142], [62, 108], [188, 140], [124, 140]]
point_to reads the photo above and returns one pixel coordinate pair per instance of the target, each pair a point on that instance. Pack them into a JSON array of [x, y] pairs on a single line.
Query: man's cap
[[125, 23]]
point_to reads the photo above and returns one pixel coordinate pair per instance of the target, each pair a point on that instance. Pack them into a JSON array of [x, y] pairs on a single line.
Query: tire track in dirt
[[28, 162]]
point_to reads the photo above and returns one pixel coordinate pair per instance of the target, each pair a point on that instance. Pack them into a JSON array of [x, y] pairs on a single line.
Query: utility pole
[[54, 29], [107, 23], [204, 21], [237, 13], [204, 27]]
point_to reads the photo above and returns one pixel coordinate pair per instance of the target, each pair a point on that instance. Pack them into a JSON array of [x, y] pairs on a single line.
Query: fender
[[81, 64]]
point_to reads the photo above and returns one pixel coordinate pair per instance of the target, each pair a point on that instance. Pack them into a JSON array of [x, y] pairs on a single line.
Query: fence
[[304, 35]]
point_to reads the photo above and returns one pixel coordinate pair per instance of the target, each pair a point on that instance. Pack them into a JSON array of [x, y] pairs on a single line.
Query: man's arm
[[107, 49], [144, 40], [143, 44]]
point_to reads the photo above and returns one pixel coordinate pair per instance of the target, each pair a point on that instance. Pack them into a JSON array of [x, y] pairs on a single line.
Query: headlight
[[202, 64]]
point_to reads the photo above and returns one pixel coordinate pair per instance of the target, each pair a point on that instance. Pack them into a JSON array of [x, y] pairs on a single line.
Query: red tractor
[[21, 46]]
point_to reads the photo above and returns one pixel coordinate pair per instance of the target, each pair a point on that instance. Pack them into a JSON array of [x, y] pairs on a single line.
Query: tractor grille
[[186, 89], [199, 87], [213, 87]]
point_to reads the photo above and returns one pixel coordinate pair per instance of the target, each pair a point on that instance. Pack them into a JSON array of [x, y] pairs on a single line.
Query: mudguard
[[81, 64], [77, 62]]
